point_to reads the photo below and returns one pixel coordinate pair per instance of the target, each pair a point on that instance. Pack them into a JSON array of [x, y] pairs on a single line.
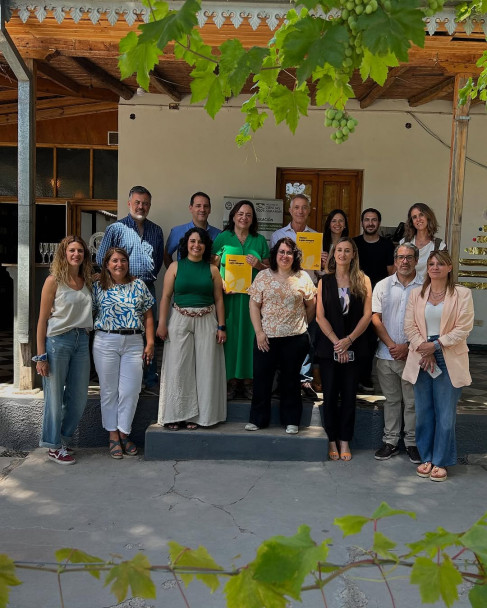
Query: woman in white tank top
[[63, 356]]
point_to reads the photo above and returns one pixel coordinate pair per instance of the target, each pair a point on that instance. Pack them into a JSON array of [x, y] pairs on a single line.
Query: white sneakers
[[292, 429]]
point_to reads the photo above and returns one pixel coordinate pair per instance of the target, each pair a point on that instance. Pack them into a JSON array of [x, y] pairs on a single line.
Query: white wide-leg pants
[[119, 365]]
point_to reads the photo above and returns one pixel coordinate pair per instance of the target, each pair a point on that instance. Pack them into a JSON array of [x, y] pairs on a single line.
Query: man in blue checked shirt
[[200, 209], [144, 242]]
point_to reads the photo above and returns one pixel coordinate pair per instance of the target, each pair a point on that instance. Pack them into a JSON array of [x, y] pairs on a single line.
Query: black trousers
[[339, 380], [367, 362], [287, 355]]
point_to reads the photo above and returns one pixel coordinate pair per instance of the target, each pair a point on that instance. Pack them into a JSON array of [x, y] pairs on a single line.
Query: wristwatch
[[222, 327], [437, 345]]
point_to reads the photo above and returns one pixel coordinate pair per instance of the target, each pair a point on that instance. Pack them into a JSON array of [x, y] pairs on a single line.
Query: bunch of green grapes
[[342, 122], [350, 12], [433, 6]]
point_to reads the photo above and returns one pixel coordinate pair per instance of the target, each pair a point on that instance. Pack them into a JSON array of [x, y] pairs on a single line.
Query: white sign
[[269, 213]]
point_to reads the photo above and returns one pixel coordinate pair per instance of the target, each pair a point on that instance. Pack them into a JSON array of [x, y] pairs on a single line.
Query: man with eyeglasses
[[389, 301], [144, 242], [299, 209]]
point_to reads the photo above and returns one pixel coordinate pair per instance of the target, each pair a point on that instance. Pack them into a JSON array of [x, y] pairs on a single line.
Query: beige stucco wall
[[176, 152]]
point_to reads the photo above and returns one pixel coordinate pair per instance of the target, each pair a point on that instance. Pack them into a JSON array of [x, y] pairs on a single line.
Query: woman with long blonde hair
[[343, 313], [63, 357], [439, 318]]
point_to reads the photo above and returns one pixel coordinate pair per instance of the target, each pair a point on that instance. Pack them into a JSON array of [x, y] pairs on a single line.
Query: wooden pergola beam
[[376, 91], [160, 83], [58, 77], [439, 90], [62, 111], [103, 77]]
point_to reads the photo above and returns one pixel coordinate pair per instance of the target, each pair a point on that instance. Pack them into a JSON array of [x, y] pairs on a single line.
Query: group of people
[[219, 344]]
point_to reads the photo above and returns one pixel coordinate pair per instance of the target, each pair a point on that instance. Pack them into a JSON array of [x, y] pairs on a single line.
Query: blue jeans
[[66, 387], [150, 372], [436, 409]]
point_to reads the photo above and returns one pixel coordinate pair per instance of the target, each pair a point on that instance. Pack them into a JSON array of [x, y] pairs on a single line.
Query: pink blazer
[[456, 323]]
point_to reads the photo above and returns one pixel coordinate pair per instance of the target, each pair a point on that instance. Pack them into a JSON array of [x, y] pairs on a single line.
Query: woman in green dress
[[240, 237]]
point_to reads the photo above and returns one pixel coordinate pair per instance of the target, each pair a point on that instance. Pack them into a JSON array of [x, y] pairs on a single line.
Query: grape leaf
[[377, 66], [244, 591], [384, 510], [351, 524], [216, 98], [172, 26], [194, 558], [478, 596], [382, 546], [285, 562], [433, 541], [288, 105], [330, 49], [75, 556], [192, 49], [436, 580], [475, 539], [384, 32], [7, 578], [135, 574], [203, 79], [139, 57]]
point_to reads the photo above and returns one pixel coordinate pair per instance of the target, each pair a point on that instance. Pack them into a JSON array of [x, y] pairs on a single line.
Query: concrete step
[[230, 441]]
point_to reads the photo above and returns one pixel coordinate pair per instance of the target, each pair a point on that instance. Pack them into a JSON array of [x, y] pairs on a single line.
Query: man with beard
[[389, 301], [376, 257], [144, 242]]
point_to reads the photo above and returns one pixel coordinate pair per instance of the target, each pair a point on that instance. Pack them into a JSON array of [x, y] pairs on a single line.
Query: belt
[[123, 332]]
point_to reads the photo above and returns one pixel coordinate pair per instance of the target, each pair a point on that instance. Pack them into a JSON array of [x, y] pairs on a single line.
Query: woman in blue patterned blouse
[[122, 307]]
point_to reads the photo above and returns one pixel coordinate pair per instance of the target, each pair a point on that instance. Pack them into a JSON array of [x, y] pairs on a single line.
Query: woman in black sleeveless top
[[343, 313]]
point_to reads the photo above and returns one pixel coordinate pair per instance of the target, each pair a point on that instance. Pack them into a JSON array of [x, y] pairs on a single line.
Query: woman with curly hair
[[63, 356], [282, 303], [122, 306], [240, 237], [420, 229], [343, 313], [193, 386]]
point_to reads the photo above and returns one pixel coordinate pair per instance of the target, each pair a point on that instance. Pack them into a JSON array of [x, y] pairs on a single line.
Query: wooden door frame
[[316, 209], [75, 208]]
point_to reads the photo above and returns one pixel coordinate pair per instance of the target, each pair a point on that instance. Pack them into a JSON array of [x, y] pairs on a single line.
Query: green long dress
[[240, 332]]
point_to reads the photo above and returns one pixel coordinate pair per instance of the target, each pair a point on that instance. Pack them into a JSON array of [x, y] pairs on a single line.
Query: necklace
[[437, 294]]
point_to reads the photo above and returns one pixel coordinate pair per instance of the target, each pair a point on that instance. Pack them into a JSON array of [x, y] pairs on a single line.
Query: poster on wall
[[269, 213]]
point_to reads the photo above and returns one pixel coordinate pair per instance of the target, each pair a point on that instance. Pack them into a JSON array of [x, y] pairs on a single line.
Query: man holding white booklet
[[389, 300]]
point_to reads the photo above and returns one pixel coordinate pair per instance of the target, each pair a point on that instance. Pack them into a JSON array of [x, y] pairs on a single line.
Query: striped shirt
[[146, 252]]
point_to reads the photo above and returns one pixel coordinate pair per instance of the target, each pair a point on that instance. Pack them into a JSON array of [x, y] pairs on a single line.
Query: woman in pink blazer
[[439, 318]]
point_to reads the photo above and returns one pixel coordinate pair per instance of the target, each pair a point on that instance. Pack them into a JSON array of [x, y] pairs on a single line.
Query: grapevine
[[342, 122]]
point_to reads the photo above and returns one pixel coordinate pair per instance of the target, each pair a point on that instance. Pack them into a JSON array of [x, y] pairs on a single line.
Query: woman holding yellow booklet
[[240, 237]]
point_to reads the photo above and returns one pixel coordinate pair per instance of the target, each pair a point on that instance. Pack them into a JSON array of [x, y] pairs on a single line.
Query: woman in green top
[[193, 366], [240, 237]]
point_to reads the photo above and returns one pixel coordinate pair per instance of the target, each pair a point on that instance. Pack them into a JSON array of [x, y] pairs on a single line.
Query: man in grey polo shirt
[[299, 209], [389, 301]]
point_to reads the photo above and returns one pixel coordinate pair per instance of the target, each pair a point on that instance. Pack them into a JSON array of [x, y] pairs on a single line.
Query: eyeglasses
[[283, 252], [409, 258]]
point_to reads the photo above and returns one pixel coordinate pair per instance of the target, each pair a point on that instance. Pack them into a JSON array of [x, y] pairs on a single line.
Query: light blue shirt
[[178, 232], [390, 299], [122, 306], [286, 231]]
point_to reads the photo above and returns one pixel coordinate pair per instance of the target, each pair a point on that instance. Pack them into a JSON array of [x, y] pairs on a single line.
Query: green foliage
[[7, 578], [285, 567], [182, 557], [134, 573], [320, 54], [75, 556]]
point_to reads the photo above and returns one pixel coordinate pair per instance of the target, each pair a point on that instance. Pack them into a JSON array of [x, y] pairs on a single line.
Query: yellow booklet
[[310, 244], [238, 274]]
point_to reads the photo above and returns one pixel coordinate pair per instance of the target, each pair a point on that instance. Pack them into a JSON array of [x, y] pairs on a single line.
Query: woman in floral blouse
[[282, 303], [122, 307]]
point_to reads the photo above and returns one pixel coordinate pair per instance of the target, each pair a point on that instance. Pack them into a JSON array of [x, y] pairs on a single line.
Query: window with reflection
[[73, 173]]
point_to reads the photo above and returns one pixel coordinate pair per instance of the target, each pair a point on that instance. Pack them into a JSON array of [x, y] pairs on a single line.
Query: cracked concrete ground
[[108, 507]]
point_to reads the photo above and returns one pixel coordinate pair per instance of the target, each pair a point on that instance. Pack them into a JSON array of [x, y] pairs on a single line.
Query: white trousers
[[118, 362]]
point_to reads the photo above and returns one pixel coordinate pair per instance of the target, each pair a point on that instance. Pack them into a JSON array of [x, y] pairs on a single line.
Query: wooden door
[[327, 189]]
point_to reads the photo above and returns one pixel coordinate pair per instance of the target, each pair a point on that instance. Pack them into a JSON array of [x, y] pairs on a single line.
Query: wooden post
[[458, 154]]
